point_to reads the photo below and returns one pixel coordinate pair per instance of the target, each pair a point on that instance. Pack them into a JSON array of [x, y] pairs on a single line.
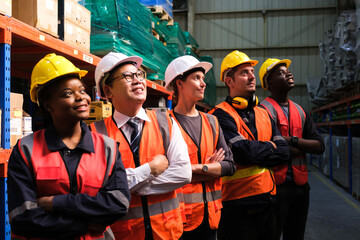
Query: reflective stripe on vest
[[154, 209], [248, 180], [297, 119], [193, 193], [92, 172], [164, 210]]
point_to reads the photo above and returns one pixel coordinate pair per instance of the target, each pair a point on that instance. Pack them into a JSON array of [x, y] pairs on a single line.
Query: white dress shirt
[[179, 173]]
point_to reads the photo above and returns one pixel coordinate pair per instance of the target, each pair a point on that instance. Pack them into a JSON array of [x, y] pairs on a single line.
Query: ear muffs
[[242, 103]]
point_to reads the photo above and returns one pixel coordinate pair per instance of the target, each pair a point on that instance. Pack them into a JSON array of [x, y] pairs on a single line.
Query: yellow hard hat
[[234, 59], [266, 67], [48, 68]]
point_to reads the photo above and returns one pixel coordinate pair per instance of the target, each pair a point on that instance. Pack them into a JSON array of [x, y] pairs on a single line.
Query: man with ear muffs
[[257, 145]]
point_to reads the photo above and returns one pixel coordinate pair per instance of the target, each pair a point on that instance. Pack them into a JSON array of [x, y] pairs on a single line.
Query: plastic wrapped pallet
[[324, 164], [340, 160], [160, 28], [162, 58], [190, 40], [130, 19], [210, 90], [103, 41], [356, 167], [177, 41]]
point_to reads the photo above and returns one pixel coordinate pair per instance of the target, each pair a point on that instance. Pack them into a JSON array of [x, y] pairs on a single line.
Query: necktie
[[134, 145], [135, 135]]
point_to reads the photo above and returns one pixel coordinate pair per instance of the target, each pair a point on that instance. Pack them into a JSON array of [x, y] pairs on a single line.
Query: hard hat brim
[[205, 65], [287, 63], [34, 93], [251, 62], [135, 59]]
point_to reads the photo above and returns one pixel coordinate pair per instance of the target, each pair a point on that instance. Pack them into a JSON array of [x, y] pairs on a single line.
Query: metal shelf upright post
[[347, 121], [5, 52]]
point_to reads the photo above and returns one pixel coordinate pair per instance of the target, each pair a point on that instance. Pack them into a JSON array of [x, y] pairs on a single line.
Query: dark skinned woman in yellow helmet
[[65, 182]]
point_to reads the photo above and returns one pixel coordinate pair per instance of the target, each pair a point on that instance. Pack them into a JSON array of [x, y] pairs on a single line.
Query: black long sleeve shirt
[[71, 213], [247, 152]]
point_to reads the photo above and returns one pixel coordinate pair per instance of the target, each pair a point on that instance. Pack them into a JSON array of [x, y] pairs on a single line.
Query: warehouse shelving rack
[[324, 116], [21, 47]]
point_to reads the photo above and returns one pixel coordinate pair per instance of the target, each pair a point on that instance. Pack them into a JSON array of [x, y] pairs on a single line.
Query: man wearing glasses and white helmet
[[152, 148]]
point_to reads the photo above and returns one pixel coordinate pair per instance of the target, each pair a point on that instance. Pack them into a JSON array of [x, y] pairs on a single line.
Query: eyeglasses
[[129, 76]]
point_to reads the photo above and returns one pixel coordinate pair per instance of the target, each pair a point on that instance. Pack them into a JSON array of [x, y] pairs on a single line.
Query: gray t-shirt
[[192, 126]]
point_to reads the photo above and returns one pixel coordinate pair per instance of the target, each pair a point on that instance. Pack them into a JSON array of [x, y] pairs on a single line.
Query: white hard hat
[[109, 62], [181, 65]]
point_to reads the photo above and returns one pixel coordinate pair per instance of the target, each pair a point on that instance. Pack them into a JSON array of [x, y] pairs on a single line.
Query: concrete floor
[[333, 214]]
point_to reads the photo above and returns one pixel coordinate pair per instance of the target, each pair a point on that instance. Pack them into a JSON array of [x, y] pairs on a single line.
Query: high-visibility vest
[[289, 127], [196, 194], [163, 209], [52, 178], [249, 180]]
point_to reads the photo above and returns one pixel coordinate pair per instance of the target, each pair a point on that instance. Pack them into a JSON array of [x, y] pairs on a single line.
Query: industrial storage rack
[[21, 47], [342, 113]]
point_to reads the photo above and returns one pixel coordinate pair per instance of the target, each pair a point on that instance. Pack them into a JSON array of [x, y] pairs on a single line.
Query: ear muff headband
[[242, 103]]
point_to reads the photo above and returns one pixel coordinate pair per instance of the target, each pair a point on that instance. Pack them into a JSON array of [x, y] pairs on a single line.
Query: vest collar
[[55, 143]]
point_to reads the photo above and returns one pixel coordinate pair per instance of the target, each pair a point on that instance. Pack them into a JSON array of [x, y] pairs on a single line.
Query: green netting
[[104, 41], [210, 91], [162, 58], [129, 18], [190, 40], [177, 41]]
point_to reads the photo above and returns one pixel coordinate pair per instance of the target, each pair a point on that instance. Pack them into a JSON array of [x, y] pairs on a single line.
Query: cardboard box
[[16, 100], [16, 113], [42, 14], [15, 126], [71, 10], [76, 35], [26, 124], [6, 7], [99, 110]]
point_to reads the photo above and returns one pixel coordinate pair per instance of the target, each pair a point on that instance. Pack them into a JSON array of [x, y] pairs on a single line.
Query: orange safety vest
[[248, 180], [289, 127], [52, 178], [163, 209], [196, 194]]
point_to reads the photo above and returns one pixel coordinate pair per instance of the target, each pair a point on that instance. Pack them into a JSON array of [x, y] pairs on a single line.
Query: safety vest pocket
[[48, 181], [300, 177]]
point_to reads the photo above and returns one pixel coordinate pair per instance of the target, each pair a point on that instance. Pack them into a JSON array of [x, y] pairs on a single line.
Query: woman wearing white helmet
[[64, 181], [209, 155]]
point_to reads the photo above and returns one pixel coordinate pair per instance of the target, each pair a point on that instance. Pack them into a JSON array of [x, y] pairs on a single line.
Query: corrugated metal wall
[[266, 28]]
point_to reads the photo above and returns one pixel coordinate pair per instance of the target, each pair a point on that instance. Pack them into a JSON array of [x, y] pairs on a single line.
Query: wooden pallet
[[158, 37], [160, 12]]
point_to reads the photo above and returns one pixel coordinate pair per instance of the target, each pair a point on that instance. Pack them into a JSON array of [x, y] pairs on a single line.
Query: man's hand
[[46, 203], [158, 165], [217, 156]]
